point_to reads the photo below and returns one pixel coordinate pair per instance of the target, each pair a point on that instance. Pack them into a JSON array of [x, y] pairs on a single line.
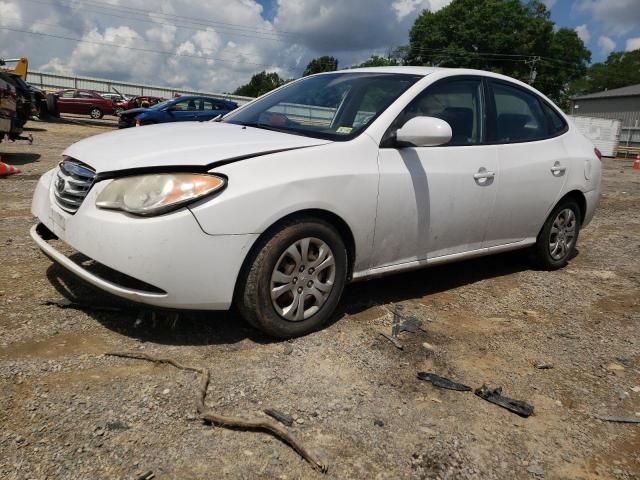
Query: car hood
[[134, 111], [181, 144]]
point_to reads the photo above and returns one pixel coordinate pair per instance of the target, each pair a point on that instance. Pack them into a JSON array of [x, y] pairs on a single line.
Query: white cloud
[[549, 3], [583, 33], [606, 44], [328, 26], [217, 45], [208, 41], [633, 44], [11, 15], [618, 15]]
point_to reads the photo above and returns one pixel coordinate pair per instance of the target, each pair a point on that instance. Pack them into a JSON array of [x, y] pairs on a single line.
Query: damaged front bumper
[[166, 261]]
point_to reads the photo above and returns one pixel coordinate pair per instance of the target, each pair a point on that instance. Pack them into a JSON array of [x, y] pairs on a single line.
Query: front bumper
[[187, 268]]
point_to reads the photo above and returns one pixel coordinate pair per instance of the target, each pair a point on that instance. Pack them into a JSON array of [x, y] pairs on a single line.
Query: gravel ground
[[68, 411]]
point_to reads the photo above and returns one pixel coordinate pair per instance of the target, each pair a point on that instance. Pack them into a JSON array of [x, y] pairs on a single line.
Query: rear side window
[[557, 125], [519, 115]]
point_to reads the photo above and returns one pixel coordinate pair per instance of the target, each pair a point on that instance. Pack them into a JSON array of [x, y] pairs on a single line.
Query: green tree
[[321, 64], [505, 36], [377, 61], [260, 84], [620, 69]]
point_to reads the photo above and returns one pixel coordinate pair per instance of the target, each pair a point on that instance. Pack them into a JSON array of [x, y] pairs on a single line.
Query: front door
[[185, 110], [437, 201]]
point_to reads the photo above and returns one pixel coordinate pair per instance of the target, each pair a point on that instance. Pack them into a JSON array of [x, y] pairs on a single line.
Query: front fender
[[341, 178]]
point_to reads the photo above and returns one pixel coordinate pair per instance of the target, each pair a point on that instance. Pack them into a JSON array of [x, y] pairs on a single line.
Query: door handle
[[558, 170], [483, 174]]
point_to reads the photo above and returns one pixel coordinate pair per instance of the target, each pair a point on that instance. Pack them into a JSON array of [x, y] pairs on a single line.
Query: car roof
[[444, 72], [424, 71]]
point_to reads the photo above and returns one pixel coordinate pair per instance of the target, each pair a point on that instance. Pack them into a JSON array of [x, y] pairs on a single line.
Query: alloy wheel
[[302, 279], [562, 235]]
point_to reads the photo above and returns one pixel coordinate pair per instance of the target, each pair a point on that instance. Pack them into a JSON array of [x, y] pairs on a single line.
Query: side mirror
[[424, 132], [170, 109]]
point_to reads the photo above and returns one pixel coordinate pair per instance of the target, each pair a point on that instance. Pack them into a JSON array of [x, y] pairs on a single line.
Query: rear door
[[210, 109], [84, 101], [532, 162]]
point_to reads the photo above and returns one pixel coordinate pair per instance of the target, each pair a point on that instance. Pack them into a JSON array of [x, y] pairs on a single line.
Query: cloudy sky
[[216, 45]]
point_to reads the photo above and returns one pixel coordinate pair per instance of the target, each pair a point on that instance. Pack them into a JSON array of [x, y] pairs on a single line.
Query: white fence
[[603, 132], [54, 82]]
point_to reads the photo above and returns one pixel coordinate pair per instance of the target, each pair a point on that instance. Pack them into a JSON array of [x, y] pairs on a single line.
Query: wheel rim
[[302, 279], [563, 234], [95, 113]]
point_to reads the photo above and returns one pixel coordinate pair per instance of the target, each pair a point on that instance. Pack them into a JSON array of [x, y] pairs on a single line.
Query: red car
[[84, 102], [144, 101]]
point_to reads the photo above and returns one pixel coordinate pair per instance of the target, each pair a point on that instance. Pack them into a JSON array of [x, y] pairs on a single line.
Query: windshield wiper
[[264, 126]]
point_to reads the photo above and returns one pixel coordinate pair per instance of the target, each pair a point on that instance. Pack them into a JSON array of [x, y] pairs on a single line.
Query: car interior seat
[[511, 126], [461, 121]]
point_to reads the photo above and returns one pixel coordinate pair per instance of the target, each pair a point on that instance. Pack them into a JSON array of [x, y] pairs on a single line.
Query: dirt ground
[[68, 411]]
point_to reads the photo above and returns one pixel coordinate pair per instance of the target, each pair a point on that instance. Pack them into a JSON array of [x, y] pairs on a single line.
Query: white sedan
[[332, 178]]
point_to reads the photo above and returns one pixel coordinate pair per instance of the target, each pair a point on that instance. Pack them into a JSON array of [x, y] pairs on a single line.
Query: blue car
[[189, 108]]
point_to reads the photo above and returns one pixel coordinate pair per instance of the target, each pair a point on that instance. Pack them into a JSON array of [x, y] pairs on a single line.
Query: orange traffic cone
[[636, 163], [6, 170]]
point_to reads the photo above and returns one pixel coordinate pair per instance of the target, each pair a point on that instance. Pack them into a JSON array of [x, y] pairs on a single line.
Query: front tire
[[96, 113], [293, 281], [557, 240]]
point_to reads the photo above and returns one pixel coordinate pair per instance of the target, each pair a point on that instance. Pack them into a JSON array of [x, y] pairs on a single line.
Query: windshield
[[336, 106], [161, 105]]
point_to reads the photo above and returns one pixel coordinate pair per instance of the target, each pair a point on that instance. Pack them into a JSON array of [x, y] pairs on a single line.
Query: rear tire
[[556, 243], [52, 105], [292, 282], [96, 113]]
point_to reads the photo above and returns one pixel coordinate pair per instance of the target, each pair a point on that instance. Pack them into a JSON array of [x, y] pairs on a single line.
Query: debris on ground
[[543, 365], [438, 381], [536, 469], [409, 324], [616, 368], [495, 396], [393, 340], [66, 303], [606, 418], [146, 476], [225, 421], [279, 416]]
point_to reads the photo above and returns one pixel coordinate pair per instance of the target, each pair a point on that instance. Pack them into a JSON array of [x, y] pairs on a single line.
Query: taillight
[[598, 153]]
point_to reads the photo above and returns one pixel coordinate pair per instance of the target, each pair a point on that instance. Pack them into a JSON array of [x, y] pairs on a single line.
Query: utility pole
[[533, 72]]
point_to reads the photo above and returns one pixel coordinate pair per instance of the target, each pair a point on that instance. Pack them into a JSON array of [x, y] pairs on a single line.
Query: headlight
[[158, 193]]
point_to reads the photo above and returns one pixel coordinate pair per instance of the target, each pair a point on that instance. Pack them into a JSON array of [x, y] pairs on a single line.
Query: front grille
[[73, 182]]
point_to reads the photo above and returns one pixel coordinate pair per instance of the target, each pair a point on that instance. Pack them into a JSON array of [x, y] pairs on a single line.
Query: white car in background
[[335, 177]]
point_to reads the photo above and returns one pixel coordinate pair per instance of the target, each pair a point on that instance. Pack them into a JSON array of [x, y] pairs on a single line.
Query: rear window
[[557, 125], [519, 115]]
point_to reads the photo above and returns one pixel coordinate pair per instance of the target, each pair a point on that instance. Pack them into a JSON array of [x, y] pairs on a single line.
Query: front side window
[[186, 105], [519, 115], [335, 106], [457, 102]]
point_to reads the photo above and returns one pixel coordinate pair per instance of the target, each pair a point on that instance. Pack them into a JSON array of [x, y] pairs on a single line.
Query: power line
[[116, 45], [142, 17]]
